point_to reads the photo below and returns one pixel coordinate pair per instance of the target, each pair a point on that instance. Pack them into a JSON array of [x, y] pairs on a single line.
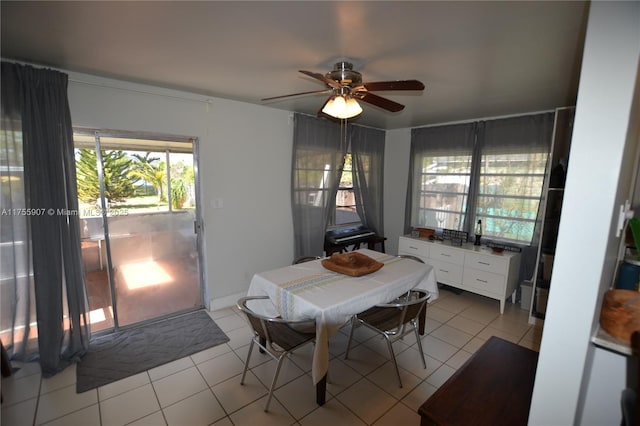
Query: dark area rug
[[129, 352]]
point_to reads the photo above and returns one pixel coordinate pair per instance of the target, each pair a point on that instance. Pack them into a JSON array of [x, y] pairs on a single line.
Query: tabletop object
[[354, 264]]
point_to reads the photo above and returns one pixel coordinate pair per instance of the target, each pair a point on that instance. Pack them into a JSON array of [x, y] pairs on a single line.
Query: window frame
[[140, 142], [346, 168], [422, 211], [522, 224]]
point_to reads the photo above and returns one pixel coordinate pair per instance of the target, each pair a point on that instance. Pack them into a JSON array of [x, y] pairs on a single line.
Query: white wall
[[396, 175], [575, 382], [245, 161]]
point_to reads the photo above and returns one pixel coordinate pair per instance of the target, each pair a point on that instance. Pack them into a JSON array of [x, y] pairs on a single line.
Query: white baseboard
[[226, 301]]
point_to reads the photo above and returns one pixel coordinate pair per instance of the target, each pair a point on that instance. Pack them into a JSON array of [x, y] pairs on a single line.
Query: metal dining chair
[[275, 336], [303, 259], [409, 256], [391, 321], [422, 318]]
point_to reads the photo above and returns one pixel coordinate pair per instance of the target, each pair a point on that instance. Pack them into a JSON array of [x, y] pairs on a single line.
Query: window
[[139, 175], [346, 213], [493, 171], [327, 193], [443, 190], [509, 194], [442, 164]]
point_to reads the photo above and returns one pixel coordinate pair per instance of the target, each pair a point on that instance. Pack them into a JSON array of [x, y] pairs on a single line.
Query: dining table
[[310, 291]]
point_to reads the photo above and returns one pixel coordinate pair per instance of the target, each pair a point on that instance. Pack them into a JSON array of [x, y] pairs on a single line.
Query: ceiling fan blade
[[394, 85], [329, 82], [296, 94], [381, 102]]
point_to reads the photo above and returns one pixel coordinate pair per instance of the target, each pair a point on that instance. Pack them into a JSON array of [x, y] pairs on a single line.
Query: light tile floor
[[204, 388]]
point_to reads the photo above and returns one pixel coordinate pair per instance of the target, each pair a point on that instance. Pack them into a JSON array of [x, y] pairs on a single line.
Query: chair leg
[[273, 382], [419, 342], [393, 358], [353, 326], [246, 363]]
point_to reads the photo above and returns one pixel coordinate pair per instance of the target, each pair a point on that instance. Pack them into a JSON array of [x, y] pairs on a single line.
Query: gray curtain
[[531, 133], [367, 154], [318, 158], [36, 120]]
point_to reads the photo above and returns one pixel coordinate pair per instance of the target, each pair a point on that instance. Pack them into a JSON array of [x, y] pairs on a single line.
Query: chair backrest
[[303, 259], [409, 307], [408, 256], [284, 333]]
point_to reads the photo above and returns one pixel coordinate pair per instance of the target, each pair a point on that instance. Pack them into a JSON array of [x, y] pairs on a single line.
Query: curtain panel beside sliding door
[[37, 99]]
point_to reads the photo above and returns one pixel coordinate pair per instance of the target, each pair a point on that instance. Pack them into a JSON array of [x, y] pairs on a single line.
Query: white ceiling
[[477, 59]]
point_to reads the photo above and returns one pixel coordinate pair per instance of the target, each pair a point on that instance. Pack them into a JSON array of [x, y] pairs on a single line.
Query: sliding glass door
[[139, 221]]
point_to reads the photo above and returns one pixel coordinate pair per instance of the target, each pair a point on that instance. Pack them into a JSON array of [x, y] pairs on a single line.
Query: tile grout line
[[157, 400], [224, 410]]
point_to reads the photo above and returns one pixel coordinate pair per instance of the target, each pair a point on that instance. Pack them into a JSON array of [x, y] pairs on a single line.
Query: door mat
[[123, 354]]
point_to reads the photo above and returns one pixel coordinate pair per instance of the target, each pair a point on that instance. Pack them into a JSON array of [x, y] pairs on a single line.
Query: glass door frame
[[197, 226]]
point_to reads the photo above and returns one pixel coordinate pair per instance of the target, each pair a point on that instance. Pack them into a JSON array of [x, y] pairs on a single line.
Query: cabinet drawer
[[447, 254], [487, 262], [483, 280], [447, 273], [413, 247]]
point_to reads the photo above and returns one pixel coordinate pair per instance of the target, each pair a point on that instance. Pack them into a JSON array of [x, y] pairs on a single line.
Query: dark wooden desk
[[372, 241], [493, 387]]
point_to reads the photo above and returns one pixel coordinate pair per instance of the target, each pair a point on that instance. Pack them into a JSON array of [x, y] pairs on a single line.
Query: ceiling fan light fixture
[[342, 107], [353, 108]]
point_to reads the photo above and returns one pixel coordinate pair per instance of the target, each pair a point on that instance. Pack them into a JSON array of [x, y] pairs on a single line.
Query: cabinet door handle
[[482, 281], [445, 255], [443, 270], [412, 247], [484, 263]]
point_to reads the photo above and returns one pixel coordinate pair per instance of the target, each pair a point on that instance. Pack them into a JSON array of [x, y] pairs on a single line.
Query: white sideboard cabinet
[[468, 267]]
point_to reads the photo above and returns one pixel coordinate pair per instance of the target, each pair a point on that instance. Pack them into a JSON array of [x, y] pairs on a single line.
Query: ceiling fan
[[346, 87]]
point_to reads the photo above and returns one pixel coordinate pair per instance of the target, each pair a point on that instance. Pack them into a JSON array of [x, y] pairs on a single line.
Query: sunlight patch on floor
[[96, 316], [145, 274]]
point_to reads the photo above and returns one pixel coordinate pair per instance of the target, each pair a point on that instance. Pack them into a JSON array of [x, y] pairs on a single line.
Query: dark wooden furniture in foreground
[[6, 364], [630, 400], [493, 387], [6, 367]]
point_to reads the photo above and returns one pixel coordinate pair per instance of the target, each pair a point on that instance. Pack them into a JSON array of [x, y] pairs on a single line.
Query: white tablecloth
[[308, 290]]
